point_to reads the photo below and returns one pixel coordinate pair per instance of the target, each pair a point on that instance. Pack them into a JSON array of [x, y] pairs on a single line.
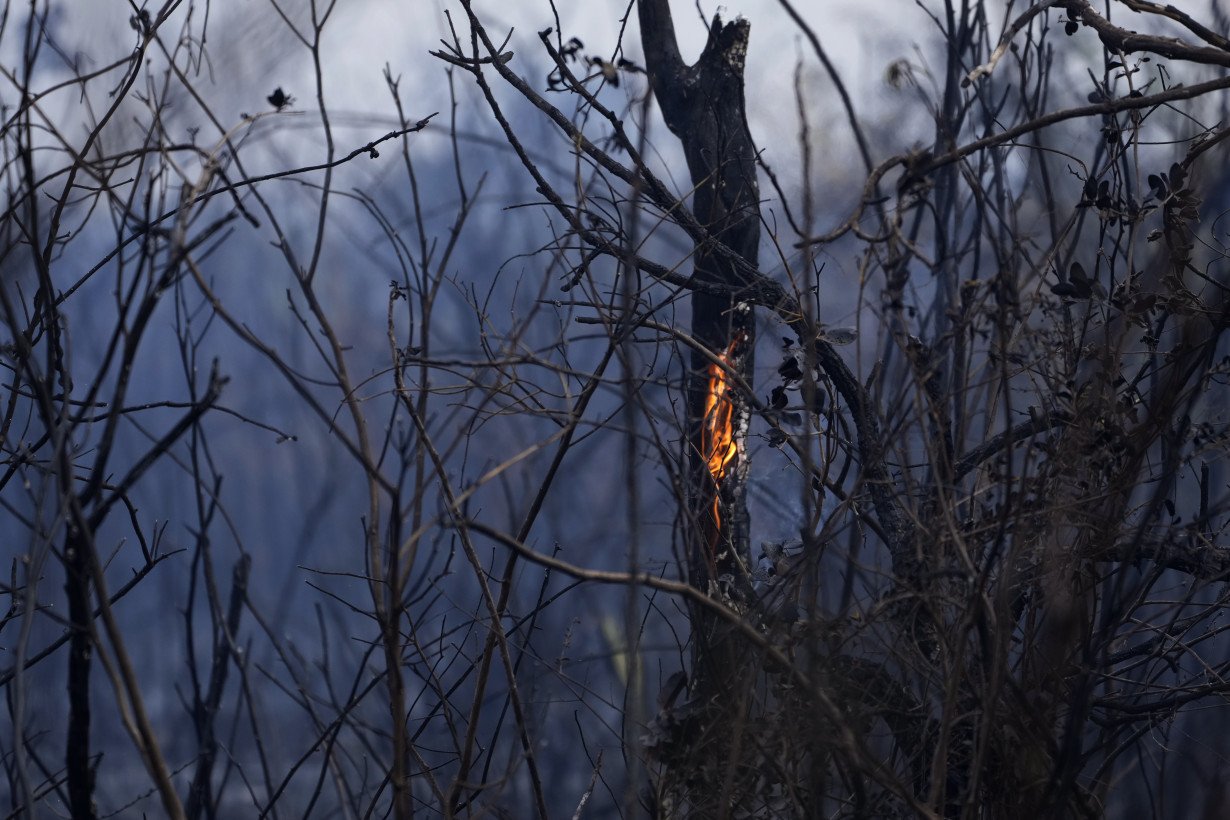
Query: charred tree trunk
[[703, 105]]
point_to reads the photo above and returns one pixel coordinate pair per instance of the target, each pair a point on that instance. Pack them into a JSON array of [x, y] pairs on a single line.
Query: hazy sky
[[861, 38]]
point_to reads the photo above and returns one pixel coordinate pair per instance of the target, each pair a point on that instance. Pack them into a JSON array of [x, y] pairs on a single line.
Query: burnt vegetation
[[739, 486]]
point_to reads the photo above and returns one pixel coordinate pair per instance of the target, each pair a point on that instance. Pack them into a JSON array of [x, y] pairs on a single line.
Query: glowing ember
[[718, 429]]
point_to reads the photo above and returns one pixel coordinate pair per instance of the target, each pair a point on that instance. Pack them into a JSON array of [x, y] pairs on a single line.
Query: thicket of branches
[[527, 558]]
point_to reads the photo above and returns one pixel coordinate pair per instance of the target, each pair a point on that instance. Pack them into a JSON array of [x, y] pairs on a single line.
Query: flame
[[718, 429]]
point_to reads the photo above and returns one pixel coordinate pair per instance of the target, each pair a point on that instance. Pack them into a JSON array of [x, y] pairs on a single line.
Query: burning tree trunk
[[704, 772], [703, 105]]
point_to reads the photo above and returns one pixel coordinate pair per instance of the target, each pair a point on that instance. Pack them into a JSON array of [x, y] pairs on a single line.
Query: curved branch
[[1038, 424], [1186, 20], [1121, 40]]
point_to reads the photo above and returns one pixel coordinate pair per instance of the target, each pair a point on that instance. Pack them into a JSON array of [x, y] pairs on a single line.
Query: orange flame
[[718, 429]]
